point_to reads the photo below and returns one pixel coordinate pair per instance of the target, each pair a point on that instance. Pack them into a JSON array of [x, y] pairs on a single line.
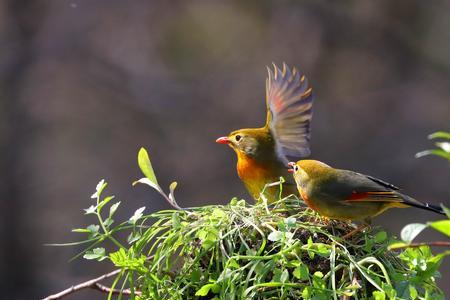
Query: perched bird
[[347, 195], [263, 153]]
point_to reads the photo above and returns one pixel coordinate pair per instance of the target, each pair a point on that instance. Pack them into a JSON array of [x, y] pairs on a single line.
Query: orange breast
[[254, 175], [249, 169], [307, 200]]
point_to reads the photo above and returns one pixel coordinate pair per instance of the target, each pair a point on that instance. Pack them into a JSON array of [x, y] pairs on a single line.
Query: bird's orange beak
[[291, 167], [223, 140]]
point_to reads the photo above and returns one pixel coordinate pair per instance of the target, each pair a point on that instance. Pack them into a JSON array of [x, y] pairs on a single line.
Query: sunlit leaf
[[81, 230], [104, 202], [438, 152], [113, 208], [204, 290], [146, 166], [148, 182], [98, 189], [96, 253], [275, 236], [301, 272], [440, 135], [172, 188], [410, 231], [444, 146], [442, 226], [91, 210], [93, 230], [290, 222], [137, 215]]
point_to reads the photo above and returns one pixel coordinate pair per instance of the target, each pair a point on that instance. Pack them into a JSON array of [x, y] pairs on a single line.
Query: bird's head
[[304, 170], [249, 142]]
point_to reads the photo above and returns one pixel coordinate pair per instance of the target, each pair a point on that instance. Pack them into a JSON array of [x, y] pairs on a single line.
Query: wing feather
[[289, 110]]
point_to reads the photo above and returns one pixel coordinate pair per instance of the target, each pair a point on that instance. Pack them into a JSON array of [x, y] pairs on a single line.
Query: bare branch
[[87, 284], [107, 289], [94, 284]]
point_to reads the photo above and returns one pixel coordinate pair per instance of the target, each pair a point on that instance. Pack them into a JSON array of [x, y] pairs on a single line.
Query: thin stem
[[431, 244], [107, 289]]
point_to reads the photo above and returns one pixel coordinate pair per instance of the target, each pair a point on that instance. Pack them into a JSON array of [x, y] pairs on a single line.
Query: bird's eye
[[237, 138], [296, 168]]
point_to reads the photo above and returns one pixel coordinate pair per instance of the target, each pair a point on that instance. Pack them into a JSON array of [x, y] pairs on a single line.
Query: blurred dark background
[[84, 84]]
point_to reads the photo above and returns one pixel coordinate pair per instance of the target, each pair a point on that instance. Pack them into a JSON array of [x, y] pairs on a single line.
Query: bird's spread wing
[[289, 110]]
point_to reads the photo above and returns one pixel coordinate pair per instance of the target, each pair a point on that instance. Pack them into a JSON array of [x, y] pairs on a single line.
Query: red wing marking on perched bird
[[384, 196], [356, 196]]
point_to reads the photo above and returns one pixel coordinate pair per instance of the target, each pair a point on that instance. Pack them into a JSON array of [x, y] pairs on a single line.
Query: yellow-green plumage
[[347, 195]]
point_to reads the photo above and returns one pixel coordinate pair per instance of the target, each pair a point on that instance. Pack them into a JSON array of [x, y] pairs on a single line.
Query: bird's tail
[[427, 206]]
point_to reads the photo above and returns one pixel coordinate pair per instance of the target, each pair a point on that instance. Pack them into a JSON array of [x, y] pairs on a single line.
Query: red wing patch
[[357, 196], [385, 196]]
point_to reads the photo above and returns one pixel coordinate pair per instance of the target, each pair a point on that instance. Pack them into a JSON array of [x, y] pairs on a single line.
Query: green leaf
[[306, 293], [93, 230], [380, 237], [301, 272], [108, 222], [410, 231], [275, 236], [318, 274], [204, 290], [440, 135], [113, 208], [147, 182], [119, 258], [176, 223], [172, 188], [195, 276], [442, 226], [91, 210], [136, 216], [438, 152], [96, 253], [290, 222], [81, 230], [218, 214], [104, 202], [146, 166], [322, 249], [379, 295], [412, 292], [444, 146], [99, 188], [284, 276]]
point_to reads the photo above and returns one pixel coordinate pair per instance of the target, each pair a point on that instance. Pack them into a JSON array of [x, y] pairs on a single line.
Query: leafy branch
[[282, 250], [443, 148]]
